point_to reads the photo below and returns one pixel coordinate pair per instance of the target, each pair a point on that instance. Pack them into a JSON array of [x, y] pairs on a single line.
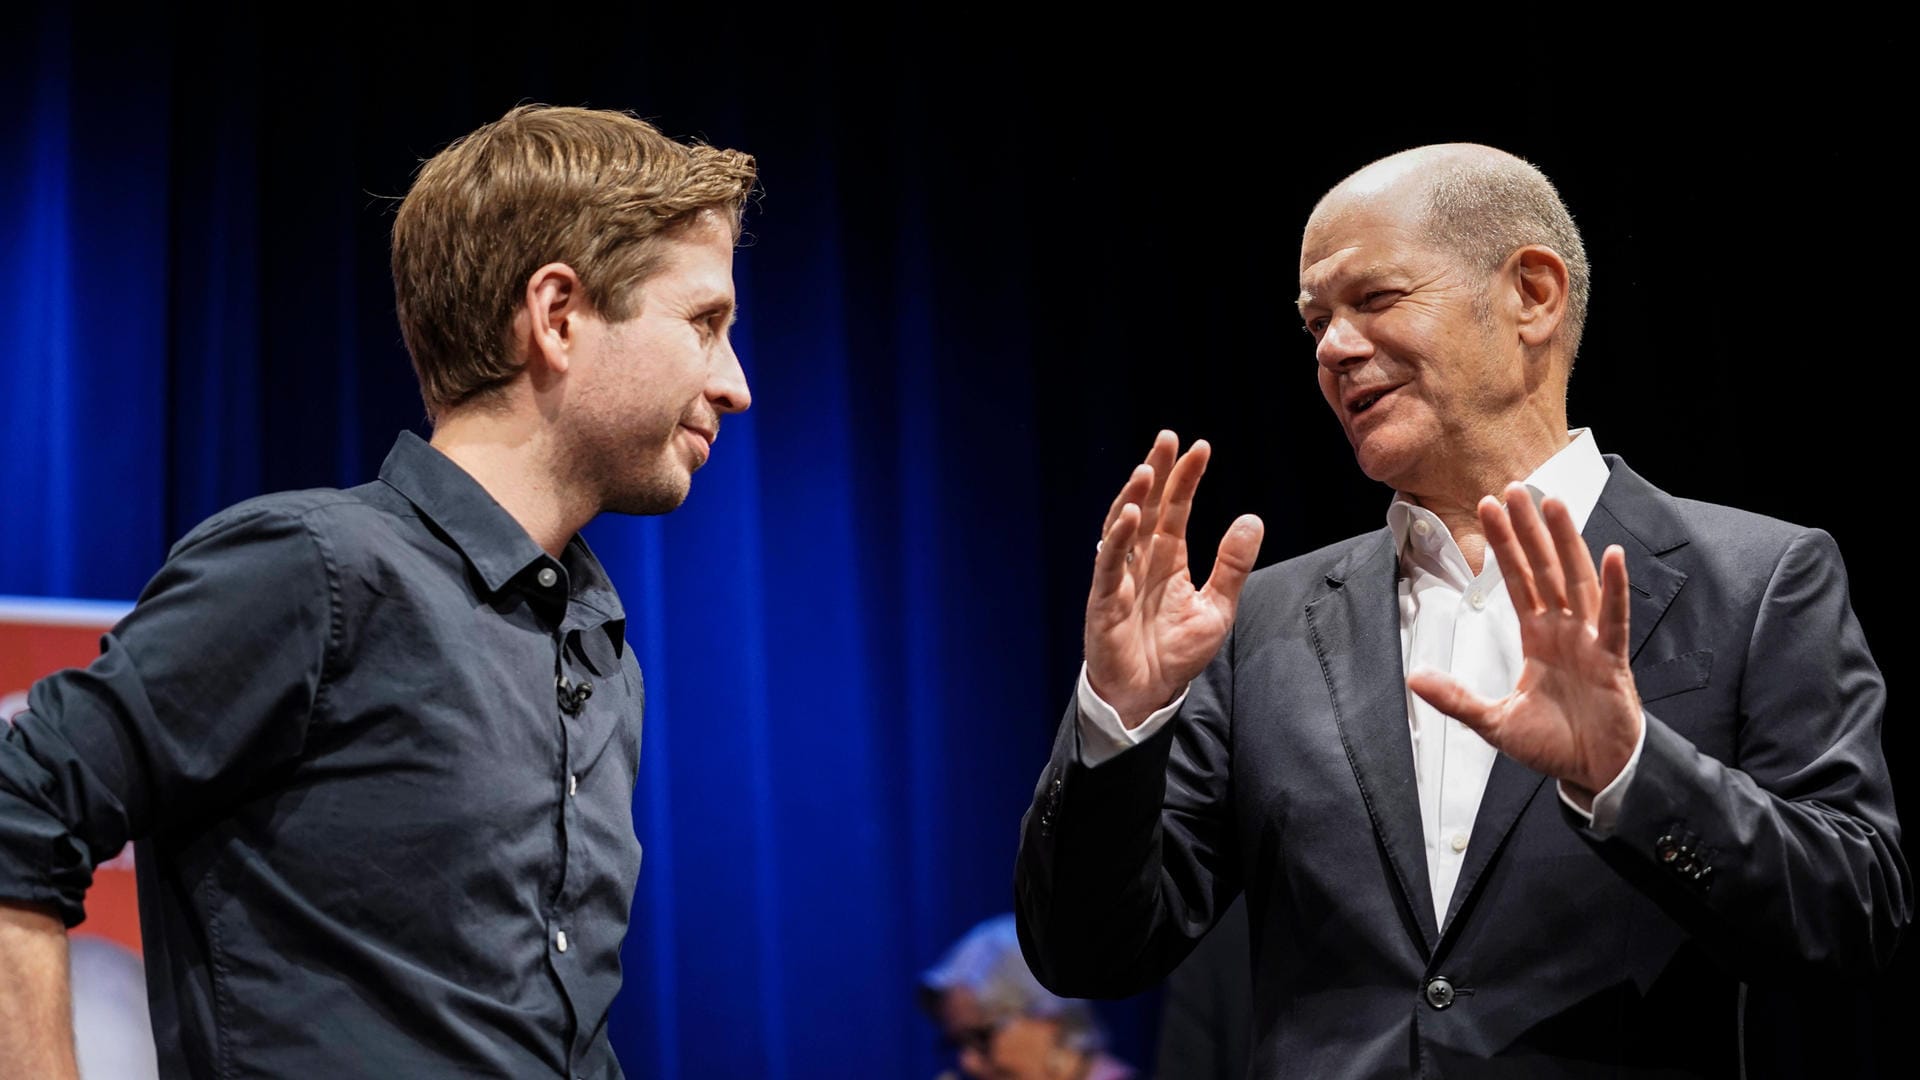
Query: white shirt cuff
[[1103, 737], [1606, 803]]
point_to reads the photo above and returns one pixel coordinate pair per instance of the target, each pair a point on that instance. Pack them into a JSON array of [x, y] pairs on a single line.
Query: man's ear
[[547, 322], [1539, 277]]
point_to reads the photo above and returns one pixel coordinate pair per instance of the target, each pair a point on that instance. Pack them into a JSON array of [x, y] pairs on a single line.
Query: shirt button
[[547, 577], [1459, 842], [573, 784], [1477, 599], [560, 940], [1421, 528]]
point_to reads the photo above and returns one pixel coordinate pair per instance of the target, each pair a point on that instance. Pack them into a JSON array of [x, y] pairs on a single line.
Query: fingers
[[1110, 563], [1498, 525], [1133, 491], [1549, 585], [1182, 483], [1160, 459], [1576, 564], [1157, 500], [1614, 624], [1238, 550], [1450, 696]]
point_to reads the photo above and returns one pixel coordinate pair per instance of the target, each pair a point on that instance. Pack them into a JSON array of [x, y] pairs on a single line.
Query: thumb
[[1450, 696], [1238, 551]]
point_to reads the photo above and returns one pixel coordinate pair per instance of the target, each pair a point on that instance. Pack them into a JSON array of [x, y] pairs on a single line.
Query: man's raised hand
[[1149, 630], [1575, 714]]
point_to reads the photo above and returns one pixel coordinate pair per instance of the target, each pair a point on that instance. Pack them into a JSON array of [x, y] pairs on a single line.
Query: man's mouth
[[705, 437], [1360, 404]]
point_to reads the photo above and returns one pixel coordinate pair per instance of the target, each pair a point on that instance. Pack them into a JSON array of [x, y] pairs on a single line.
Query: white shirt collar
[[1575, 476]]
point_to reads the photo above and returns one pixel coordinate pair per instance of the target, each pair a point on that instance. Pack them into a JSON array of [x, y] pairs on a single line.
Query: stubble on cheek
[[624, 474]]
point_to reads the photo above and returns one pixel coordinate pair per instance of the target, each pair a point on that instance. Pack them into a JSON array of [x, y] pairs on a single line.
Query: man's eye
[[1315, 326], [1378, 299]]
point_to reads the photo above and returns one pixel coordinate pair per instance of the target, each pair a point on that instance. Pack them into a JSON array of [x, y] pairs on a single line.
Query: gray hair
[[987, 963], [1483, 207]]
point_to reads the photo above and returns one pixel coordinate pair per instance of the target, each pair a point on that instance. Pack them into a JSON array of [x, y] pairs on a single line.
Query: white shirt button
[[573, 784], [560, 940], [1421, 528], [1477, 599], [1459, 842], [547, 577]]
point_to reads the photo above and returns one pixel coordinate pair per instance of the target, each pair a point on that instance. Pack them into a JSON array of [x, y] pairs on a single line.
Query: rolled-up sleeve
[[212, 678]]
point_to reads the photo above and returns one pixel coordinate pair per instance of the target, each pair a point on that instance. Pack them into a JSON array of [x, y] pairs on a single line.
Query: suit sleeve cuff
[[1103, 737], [1606, 804]]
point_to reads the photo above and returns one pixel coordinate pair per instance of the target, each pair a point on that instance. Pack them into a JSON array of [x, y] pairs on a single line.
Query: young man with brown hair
[[377, 747]]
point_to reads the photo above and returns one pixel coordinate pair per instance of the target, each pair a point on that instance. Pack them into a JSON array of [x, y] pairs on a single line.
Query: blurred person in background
[[1002, 1024]]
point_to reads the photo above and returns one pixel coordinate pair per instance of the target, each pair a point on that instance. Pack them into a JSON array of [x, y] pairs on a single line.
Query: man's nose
[[1342, 345], [727, 384]]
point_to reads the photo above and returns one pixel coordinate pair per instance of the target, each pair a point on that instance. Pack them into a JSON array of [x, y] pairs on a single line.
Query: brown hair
[[591, 188]]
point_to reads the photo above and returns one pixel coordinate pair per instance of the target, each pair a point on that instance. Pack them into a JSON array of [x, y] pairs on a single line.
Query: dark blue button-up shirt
[[373, 836]]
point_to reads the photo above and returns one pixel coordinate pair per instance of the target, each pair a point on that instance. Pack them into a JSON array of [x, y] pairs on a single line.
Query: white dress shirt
[[1454, 621]]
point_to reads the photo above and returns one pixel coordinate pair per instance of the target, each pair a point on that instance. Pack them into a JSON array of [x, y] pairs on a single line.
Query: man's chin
[[1383, 462], [655, 499]]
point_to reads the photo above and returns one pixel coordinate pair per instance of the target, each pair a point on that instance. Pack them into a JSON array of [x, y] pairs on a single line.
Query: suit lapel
[[1633, 514], [1636, 515], [1355, 623], [1510, 787]]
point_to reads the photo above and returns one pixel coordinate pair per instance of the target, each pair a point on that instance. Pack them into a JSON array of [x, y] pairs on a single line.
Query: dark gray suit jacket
[[1206, 1011], [1757, 842]]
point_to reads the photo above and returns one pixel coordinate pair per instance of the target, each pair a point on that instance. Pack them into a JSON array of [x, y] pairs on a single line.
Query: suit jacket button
[[1439, 992]]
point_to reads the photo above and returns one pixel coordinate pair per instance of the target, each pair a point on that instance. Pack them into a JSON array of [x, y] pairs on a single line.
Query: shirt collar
[[493, 543], [1575, 475]]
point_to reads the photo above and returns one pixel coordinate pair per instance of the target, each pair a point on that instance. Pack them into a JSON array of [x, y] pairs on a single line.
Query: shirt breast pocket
[[1674, 675]]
